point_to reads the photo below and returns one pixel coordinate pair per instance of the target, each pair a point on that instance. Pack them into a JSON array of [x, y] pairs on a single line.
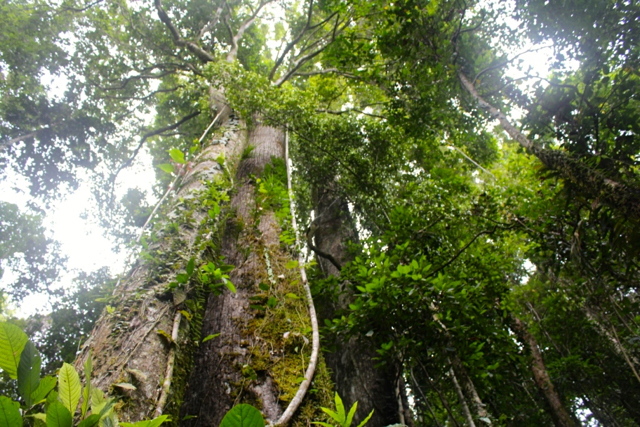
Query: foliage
[[26, 253], [21, 360]]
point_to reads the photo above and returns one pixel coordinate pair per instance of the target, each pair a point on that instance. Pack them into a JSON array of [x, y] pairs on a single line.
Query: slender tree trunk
[[130, 342], [459, 369], [461, 397], [561, 417], [351, 363], [261, 346], [612, 337]]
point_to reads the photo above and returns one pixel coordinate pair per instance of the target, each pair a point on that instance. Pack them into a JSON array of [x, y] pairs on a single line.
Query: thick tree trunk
[[561, 417], [263, 347], [351, 363], [129, 343]]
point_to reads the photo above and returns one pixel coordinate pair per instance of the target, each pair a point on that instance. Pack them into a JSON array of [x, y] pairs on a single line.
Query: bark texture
[[125, 342], [259, 352], [351, 363], [560, 415]]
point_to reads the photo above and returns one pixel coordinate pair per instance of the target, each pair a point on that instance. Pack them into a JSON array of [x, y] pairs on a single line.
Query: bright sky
[[81, 240]]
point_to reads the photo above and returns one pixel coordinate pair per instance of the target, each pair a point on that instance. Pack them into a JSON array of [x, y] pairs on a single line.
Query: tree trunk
[[351, 363], [559, 414], [262, 348], [629, 359], [130, 343]]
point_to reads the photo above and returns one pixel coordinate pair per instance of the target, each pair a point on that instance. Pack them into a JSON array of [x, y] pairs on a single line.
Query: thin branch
[[12, 141], [464, 248], [146, 136], [507, 61], [179, 41], [79, 9], [302, 60], [310, 234], [350, 110], [293, 42], [204, 30], [233, 52]]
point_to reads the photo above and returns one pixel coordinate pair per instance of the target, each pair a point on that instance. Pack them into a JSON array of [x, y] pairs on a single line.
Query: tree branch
[[202, 54], [146, 136], [293, 42]]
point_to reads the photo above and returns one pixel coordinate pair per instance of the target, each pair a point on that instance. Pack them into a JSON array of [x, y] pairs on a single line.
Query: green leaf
[[366, 420], [332, 414], [46, 385], [177, 155], [9, 413], [69, 387], [12, 341], [148, 423], [97, 400], [58, 415], [243, 415], [28, 372], [350, 415], [291, 264], [165, 335], [91, 421], [292, 296], [86, 392], [166, 167], [182, 278], [191, 265], [229, 285], [210, 337], [340, 409]]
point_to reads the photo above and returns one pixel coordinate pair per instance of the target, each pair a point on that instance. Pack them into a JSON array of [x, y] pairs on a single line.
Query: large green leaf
[[177, 155], [12, 341], [69, 387], [91, 421], [58, 415], [243, 416], [46, 385], [149, 423], [9, 413], [28, 372]]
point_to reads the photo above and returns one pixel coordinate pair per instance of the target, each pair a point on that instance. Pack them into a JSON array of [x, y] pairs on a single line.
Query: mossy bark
[[262, 348], [351, 362], [125, 344]]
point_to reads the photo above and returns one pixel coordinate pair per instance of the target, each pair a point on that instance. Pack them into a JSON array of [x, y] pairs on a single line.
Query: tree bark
[[260, 352], [352, 366], [127, 344], [559, 414]]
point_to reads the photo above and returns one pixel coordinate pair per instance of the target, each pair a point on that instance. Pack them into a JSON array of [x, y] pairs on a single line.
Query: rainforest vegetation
[[428, 207]]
